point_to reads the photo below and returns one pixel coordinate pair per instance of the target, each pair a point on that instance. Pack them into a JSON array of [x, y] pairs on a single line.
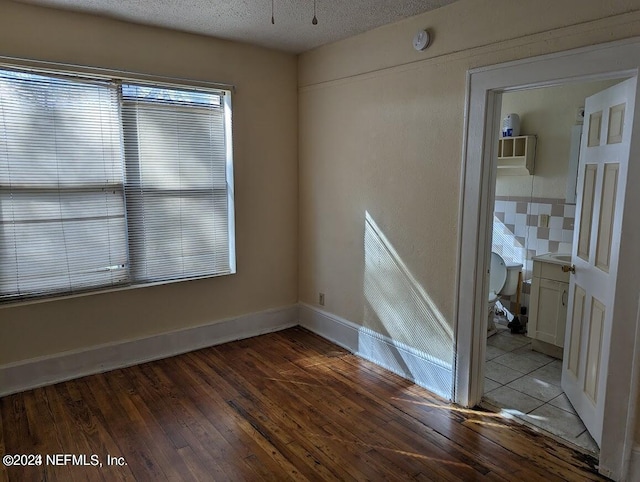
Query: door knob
[[571, 268]]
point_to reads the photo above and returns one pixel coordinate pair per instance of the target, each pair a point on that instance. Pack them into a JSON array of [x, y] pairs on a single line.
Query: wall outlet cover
[[543, 221]]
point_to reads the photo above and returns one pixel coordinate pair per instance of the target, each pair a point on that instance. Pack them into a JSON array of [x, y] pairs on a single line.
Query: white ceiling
[[250, 20]]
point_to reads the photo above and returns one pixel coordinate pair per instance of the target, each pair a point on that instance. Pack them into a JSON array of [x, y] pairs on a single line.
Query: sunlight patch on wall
[[507, 245], [398, 307]]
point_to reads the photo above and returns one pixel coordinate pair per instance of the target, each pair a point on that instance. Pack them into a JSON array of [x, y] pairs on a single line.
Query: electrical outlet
[[321, 299], [543, 221]]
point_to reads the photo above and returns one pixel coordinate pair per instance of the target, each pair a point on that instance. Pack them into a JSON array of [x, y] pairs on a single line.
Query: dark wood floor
[[283, 406]]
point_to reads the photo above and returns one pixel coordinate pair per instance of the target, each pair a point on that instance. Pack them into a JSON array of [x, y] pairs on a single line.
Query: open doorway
[[532, 235], [482, 124]]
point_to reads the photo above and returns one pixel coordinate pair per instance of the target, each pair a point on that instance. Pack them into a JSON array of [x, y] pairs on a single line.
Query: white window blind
[[106, 183], [176, 187], [61, 183]]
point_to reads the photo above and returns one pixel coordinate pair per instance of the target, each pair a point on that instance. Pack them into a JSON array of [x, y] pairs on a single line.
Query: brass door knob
[[571, 268]]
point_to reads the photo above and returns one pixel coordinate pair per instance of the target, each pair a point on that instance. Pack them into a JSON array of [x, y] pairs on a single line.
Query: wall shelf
[[516, 155]]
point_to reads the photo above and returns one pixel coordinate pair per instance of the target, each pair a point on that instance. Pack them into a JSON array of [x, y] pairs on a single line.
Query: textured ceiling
[[250, 20]]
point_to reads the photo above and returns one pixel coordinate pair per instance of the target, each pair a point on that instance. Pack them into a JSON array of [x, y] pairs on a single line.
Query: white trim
[[85, 70], [392, 355], [616, 59], [37, 372]]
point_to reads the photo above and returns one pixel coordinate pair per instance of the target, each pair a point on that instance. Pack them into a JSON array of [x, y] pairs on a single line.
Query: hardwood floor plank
[[131, 444], [189, 431], [236, 430], [4, 477], [463, 420], [286, 406], [394, 434]]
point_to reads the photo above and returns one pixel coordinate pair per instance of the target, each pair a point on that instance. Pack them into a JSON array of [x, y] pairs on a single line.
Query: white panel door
[[604, 156]]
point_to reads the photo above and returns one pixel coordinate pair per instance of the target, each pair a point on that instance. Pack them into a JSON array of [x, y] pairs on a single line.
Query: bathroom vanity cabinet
[[548, 306]]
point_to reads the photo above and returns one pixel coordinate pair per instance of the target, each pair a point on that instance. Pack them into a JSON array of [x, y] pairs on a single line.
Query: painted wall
[[380, 139], [265, 180]]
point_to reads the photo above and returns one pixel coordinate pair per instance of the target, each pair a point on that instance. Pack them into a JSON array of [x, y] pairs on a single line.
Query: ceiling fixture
[[421, 40], [314, 21]]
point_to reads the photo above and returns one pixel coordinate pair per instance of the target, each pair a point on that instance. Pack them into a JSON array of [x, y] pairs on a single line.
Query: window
[[107, 183]]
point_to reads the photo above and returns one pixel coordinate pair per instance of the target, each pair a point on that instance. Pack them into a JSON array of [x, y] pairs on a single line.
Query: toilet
[[503, 280]]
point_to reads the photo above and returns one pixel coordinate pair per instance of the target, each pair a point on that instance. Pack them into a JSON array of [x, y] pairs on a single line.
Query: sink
[[554, 258]]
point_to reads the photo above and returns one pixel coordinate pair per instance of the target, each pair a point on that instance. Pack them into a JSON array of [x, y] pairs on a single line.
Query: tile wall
[[517, 236]]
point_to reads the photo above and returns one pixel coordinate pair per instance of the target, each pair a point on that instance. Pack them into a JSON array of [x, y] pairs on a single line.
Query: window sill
[[113, 289]]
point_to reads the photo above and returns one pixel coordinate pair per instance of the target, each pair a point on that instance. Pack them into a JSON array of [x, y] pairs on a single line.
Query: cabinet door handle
[[564, 293]]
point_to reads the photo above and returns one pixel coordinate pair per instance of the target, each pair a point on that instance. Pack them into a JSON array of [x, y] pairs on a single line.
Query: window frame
[[123, 77]]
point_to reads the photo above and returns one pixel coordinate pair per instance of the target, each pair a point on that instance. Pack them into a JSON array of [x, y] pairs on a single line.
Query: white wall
[[380, 138]]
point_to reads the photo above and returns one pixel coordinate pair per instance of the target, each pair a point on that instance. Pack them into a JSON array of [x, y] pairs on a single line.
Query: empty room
[[319, 240]]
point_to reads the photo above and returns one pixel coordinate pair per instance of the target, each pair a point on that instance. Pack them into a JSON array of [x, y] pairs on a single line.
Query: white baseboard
[[375, 347], [37, 372], [397, 357]]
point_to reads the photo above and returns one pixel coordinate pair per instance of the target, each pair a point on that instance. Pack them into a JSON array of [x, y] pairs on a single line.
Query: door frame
[[481, 130]]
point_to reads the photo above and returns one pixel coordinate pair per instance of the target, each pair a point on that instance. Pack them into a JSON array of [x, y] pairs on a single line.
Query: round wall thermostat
[[421, 40]]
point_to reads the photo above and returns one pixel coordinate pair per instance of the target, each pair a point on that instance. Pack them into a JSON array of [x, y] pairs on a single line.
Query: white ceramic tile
[[507, 341], [490, 385], [542, 246], [544, 208], [561, 401], [499, 206], [567, 236], [521, 219], [585, 441], [527, 352], [556, 421], [536, 388], [520, 362], [521, 230], [550, 373], [555, 234], [500, 373], [510, 217], [513, 400], [525, 349], [565, 247], [569, 210], [555, 222], [493, 352]]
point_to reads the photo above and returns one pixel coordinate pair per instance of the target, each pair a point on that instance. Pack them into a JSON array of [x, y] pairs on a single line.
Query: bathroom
[[533, 222]]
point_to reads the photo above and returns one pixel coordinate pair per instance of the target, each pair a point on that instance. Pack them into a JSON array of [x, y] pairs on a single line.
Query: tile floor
[[526, 384]]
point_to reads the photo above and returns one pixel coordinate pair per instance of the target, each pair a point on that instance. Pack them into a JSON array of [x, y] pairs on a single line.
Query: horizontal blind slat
[[61, 185], [176, 184]]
